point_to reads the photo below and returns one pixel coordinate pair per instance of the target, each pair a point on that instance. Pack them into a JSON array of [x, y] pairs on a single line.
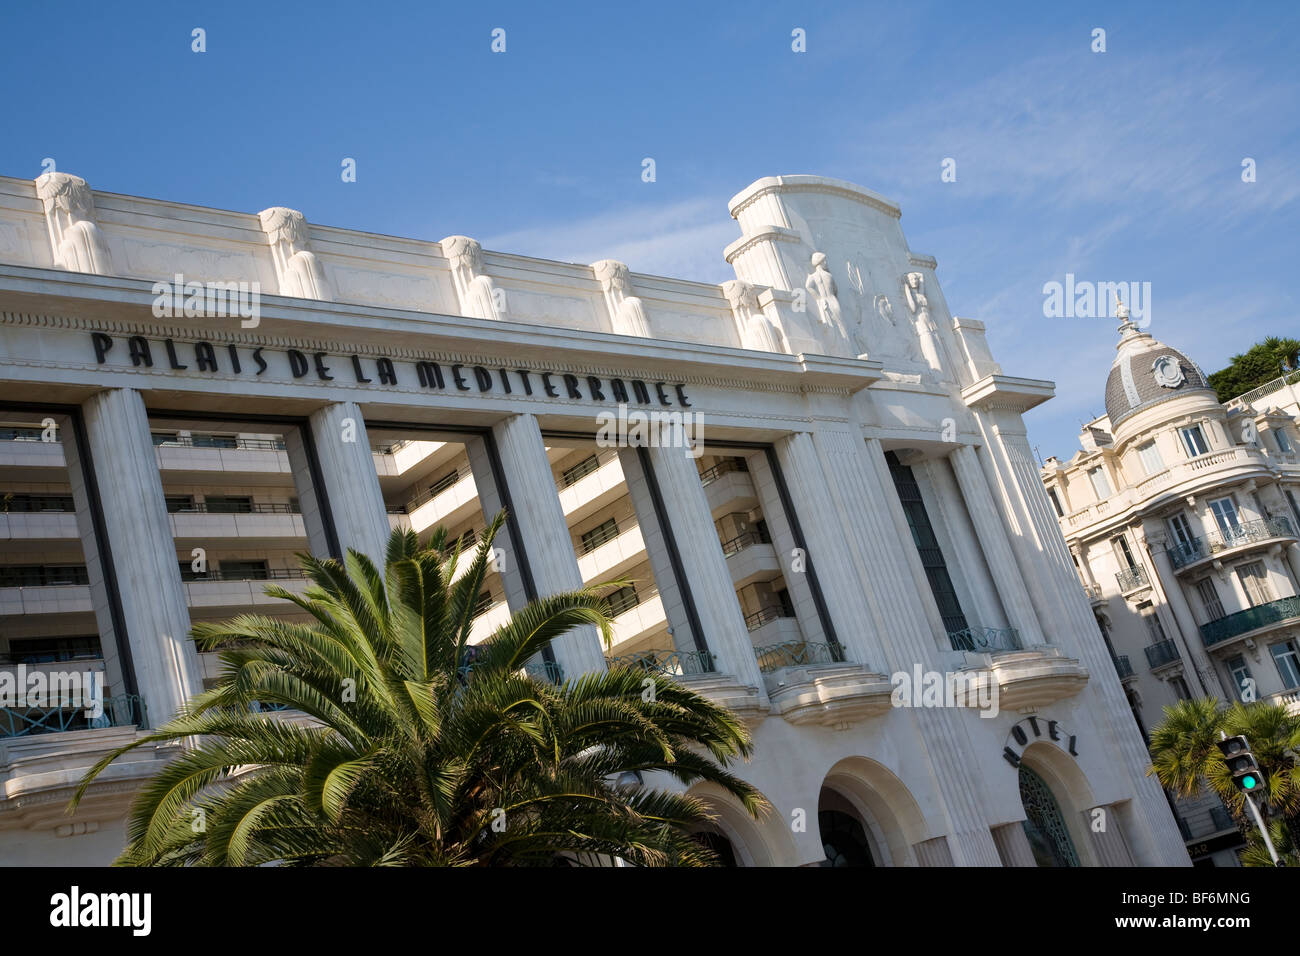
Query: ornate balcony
[[1263, 530], [125, 710], [672, 663], [1132, 579], [1251, 619], [811, 683], [985, 640], [1161, 653]]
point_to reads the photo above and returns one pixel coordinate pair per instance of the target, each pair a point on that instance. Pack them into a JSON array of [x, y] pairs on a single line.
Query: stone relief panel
[[162, 260], [561, 311], [417, 292]]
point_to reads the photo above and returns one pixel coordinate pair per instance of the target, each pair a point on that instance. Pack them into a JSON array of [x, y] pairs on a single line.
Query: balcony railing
[[1248, 532], [765, 615], [219, 441], [1262, 615], [1131, 579], [602, 535], [727, 465], [1161, 653], [744, 540], [984, 639], [1122, 666], [773, 657], [252, 574], [231, 508], [444, 483], [43, 576], [671, 663], [124, 710]]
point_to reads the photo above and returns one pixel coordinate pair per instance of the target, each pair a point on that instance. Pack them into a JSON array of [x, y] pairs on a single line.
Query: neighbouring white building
[[862, 503], [1181, 517]]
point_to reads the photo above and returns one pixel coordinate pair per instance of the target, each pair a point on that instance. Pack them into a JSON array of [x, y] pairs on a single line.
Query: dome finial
[[1127, 326]]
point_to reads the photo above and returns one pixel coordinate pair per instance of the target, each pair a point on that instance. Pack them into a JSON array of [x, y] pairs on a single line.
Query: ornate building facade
[[1181, 517], [189, 396]]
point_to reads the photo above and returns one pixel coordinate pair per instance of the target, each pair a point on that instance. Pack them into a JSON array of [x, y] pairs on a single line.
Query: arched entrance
[[719, 843], [1045, 826], [843, 835]]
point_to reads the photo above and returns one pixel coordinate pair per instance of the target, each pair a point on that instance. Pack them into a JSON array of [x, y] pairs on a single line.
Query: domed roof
[[1147, 372]]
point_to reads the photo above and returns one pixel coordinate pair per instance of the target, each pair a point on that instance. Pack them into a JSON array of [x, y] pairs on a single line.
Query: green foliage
[[1185, 759], [1257, 366], [394, 752]]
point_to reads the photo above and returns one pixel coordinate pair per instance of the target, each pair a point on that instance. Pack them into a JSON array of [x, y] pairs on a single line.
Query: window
[[228, 505], [1288, 663], [1179, 687], [624, 599], [1122, 552], [177, 503], [1056, 503], [593, 539], [1210, 599], [1225, 515], [1241, 679], [1194, 441], [1155, 630], [1254, 579], [483, 603], [215, 441], [927, 545], [1150, 457], [571, 476], [244, 571], [1182, 532], [1283, 442], [1100, 487]]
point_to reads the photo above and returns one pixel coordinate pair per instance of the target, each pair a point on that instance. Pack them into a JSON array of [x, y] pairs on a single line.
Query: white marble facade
[[834, 346]]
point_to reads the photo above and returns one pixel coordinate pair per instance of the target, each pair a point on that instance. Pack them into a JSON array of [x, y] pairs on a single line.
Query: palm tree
[[404, 745], [1185, 759]]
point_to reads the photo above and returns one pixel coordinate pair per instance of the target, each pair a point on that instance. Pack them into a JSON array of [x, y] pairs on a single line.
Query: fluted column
[[154, 611], [1013, 845], [1166, 582], [1044, 559], [690, 522], [1108, 843], [547, 544], [992, 534], [857, 622], [347, 470]]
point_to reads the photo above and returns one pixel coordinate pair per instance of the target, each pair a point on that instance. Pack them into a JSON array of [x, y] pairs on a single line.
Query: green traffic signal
[[1248, 782]]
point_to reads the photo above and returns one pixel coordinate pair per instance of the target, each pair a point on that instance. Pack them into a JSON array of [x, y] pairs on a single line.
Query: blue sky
[[1122, 166]]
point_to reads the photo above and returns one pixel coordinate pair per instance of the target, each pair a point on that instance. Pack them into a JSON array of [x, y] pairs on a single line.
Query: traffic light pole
[[1259, 822]]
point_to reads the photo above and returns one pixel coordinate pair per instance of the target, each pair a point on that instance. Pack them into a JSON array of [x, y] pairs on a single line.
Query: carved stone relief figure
[[478, 294], [75, 239], [299, 271], [927, 332], [627, 314], [755, 329], [821, 285]]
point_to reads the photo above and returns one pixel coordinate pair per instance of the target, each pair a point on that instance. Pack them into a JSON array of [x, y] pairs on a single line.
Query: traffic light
[[1242, 766]]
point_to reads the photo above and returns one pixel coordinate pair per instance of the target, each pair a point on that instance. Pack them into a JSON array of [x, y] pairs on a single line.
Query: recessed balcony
[[729, 487], [751, 558], [811, 683], [1225, 543], [1251, 621]]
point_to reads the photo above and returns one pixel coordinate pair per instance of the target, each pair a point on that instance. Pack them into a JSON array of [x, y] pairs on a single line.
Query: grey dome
[[1147, 372]]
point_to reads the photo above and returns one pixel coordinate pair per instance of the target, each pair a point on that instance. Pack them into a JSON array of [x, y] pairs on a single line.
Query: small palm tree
[[402, 752], [1185, 759]]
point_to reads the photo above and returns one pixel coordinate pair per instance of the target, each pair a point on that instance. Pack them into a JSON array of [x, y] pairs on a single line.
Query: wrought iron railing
[[772, 657], [602, 535], [744, 540], [984, 639], [1123, 667], [251, 574], [23, 503], [727, 465], [545, 670], [219, 441], [671, 663], [125, 710], [571, 476], [43, 576], [444, 483], [1131, 579], [231, 508], [1261, 615], [1248, 532], [765, 615], [1161, 653]]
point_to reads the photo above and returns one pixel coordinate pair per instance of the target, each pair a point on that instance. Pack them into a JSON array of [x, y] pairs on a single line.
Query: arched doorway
[[842, 833], [1045, 827], [719, 844]]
